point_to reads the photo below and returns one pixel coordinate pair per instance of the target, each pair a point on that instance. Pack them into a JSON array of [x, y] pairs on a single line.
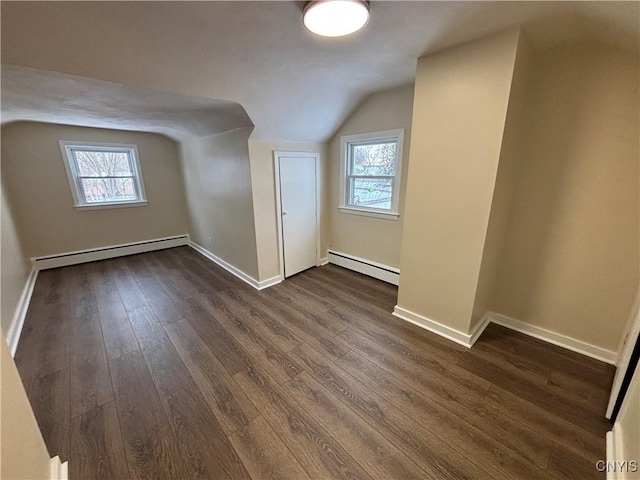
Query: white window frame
[[346, 141], [79, 201]]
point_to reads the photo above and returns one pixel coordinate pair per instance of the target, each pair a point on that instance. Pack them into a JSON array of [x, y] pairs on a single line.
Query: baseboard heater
[[367, 267], [102, 253]]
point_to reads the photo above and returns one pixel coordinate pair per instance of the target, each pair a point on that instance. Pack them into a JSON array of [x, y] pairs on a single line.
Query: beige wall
[[264, 200], [15, 266], [38, 190], [460, 106], [217, 179], [23, 454], [375, 239], [570, 258], [510, 158]]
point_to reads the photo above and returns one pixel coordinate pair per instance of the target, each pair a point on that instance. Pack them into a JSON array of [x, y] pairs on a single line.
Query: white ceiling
[[292, 84]]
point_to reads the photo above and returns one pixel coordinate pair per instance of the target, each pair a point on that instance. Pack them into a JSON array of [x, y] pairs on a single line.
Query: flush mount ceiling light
[[335, 18]]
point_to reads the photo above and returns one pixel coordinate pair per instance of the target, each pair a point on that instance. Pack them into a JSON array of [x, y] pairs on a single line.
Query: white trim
[[468, 340], [367, 267], [324, 261], [102, 206], [599, 353], [630, 336], [102, 253], [15, 329], [231, 269], [369, 213], [452, 334], [277, 155], [269, 282], [396, 135], [58, 470]]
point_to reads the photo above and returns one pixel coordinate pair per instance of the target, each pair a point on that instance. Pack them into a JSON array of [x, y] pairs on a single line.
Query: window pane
[[103, 164], [373, 159], [97, 190], [371, 193]]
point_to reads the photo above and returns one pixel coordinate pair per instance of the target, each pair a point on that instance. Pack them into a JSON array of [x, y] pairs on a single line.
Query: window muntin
[[371, 165], [103, 174]]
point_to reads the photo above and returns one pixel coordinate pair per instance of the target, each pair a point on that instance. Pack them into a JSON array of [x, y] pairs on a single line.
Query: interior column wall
[[459, 114]]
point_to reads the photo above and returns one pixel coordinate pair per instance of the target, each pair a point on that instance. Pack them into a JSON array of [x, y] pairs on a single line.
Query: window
[[371, 166], [103, 175]]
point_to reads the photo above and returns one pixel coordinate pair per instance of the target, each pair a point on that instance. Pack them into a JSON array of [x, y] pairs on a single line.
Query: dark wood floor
[[163, 365]]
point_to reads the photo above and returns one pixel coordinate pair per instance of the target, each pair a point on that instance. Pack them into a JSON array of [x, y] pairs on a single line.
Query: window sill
[[369, 213], [103, 206]]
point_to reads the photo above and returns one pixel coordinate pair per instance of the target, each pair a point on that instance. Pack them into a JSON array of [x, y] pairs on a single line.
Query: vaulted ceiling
[[252, 55]]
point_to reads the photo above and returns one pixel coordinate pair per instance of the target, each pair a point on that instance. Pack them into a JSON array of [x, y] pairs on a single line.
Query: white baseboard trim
[[233, 270], [324, 261], [599, 353], [102, 253], [269, 282], [13, 336], [367, 267], [59, 470], [452, 334]]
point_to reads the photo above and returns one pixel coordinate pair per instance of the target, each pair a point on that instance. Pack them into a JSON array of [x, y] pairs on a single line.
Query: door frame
[[277, 155], [627, 360]]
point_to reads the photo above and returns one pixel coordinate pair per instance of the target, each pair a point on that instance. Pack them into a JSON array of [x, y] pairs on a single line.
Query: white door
[[298, 212]]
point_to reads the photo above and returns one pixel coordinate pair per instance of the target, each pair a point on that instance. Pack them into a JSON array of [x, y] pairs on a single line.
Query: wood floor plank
[[538, 418], [466, 389], [402, 429], [549, 356], [349, 293], [420, 403], [228, 351], [92, 383], [156, 296], [261, 350], [116, 329], [284, 301], [89, 367], [172, 284], [96, 445], [191, 420], [379, 457], [302, 325], [563, 465], [45, 342], [266, 325], [356, 288], [165, 365], [264, 454], [127, 287], [150, 448], [226, 399], [318, 453], [367, 283], [206, 280], [303, 299], [398, 341], [49, 398], [563, 405], [230, 280]]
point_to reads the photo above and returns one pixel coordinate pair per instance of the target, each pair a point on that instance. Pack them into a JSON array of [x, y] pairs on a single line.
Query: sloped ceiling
[[36, 95], [292, 84]]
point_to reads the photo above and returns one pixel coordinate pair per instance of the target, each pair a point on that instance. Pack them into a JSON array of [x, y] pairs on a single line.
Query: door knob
[[284, 212]]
